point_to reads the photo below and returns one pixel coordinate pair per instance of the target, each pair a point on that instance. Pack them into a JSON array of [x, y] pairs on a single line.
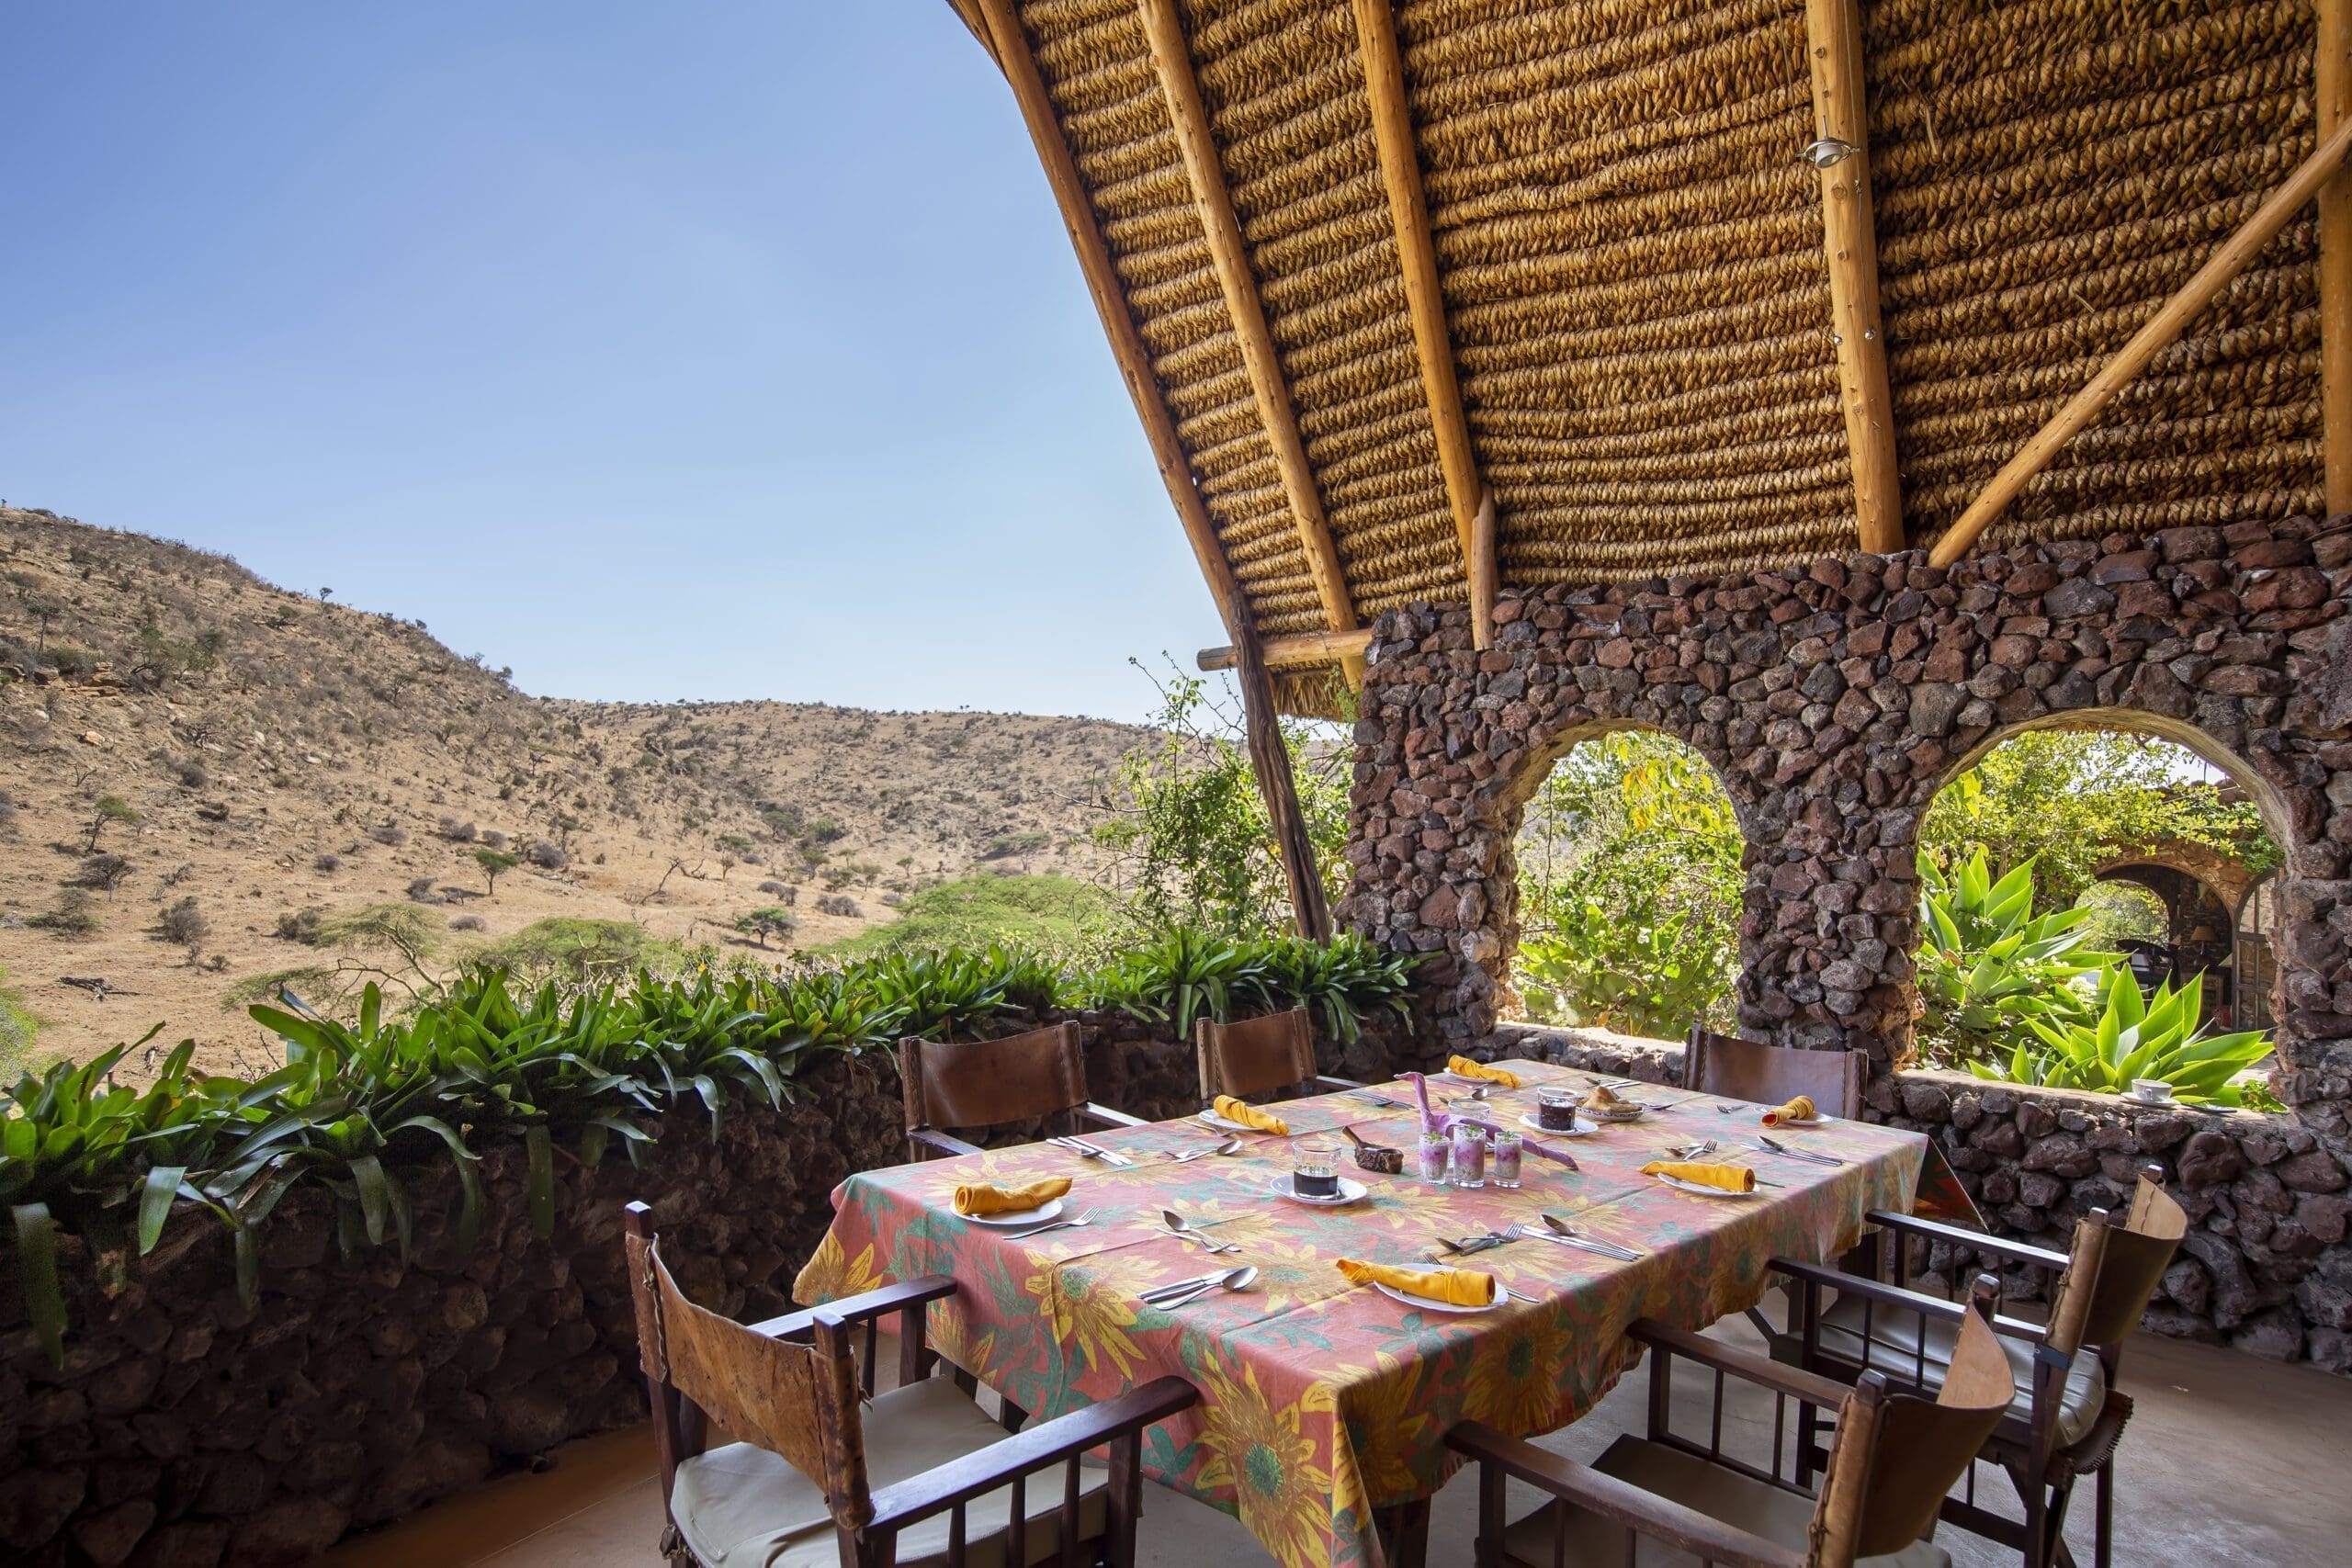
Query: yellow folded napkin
[[982, 1198], [1602, 1098], [1248, 1115], [1464, 1068], [1455, 1287], [1801, 1109], [1700, 1173]]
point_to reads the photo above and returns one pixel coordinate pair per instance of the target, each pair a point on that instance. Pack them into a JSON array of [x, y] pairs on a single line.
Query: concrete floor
[[2229, 1459]]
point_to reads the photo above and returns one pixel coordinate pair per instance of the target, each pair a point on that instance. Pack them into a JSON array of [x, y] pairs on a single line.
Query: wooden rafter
[[1409, 213], [1010, 44], [1841, 115], [2166, 324], [1304, 651], [2334, 92], [1278, 787], [1171, 56]]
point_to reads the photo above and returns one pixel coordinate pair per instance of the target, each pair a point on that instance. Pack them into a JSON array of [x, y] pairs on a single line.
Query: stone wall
[[1834, 701], [186, 1432]]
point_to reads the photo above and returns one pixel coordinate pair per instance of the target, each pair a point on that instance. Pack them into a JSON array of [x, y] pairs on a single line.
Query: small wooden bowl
[[1378, 1158]]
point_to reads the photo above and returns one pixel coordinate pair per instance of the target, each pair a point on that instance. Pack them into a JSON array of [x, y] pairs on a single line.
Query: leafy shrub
[[459, 832], [1639, 971], [329, 862], [184, 923], [108, 808], [420, 891], [493, 864], [1185, 973], [1989, 966], [468, 923], [1056, 915], [302, 925], [76, 914], [2127, 1037], [783, 892], [1008, 844], [103, 872], [191, 772], [17, 1026], [389, 834], [838, 904], [493, 838], [544, 855], [570, 949]]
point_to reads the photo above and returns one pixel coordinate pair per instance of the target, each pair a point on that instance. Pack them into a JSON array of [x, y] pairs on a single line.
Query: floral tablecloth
[[1320, 1401]]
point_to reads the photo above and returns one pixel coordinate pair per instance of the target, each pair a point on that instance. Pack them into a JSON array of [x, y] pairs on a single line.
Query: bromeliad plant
[[2127, 1037], [1989, 967]]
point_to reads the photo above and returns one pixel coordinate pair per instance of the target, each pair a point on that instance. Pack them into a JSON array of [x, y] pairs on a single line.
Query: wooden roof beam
[[1010, 44], [1171, 56], [2166, 324], [1400, 173], [1841, 115], [2334, 92], [1304, 651]]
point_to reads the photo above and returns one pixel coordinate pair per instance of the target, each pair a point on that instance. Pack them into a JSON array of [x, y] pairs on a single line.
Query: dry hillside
[[279, 754]]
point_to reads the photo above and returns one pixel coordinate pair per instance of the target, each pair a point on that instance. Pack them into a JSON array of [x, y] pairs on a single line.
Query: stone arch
[[1507, 810]]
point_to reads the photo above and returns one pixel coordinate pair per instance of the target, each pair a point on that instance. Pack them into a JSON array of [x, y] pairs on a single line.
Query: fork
[[1091, 1151], [1780, 1148], [1567, 1237], [1492, 1238], [1085, 1218]]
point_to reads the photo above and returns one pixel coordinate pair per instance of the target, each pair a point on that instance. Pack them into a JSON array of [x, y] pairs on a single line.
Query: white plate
[[1633, 1112], [1014, 1219], [1349, 1192], [1227, 1125], [1427, 1303], [1692, 1187], [1808, 1121], [1533, 1125]]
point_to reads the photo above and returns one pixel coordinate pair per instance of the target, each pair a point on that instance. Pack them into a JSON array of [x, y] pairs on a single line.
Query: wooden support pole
[[1304, 652], [1009, 45], [2334, 92], [1841, 115], [1400, 173], [1482, 572], [1270, 759], [2166, 324], [1171, 56]]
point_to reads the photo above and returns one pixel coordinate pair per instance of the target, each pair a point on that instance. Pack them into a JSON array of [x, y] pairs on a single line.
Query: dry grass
[[284, 754]]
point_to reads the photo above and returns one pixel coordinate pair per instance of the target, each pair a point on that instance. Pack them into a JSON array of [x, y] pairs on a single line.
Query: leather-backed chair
[[825, 1473], [1664, 1499], [1039, 1076], [1771, 1074], [1260, 1057]]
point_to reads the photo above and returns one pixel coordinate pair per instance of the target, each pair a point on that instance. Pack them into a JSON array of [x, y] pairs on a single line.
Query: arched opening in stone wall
[[2065, 865], [1628, 876]]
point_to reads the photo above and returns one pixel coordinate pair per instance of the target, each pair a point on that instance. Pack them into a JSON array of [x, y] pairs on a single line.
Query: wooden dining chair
[[1769, 1075], [1038, 1075], [1667, 1499], [825, 1473], [2069, 1415], [1260, 1057]]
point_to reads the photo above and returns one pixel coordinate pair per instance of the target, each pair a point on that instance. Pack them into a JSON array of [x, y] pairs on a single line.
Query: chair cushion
[[743, 1507], [1896, 1349], [1777, 1515]]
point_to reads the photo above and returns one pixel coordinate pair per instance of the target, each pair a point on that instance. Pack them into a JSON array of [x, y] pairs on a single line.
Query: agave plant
[[2128, 1037], [1989, 966]]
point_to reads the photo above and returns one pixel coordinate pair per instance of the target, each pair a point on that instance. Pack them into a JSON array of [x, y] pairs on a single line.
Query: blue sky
[[696, 350]]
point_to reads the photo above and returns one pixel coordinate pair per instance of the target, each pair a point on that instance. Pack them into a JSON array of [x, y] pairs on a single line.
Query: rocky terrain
[[202, 772]]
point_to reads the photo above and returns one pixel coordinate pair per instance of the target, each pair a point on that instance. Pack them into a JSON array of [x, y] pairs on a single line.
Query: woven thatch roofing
[[1632, 259]]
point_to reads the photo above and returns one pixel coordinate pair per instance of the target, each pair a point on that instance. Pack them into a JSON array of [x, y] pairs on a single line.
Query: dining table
[[1325, 1402]]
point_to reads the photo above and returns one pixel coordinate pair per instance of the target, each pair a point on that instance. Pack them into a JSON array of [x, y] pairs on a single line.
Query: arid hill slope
[[284, 754]]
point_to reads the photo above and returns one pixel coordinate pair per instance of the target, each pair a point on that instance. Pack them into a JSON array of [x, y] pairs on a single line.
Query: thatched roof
[[1636, 292]]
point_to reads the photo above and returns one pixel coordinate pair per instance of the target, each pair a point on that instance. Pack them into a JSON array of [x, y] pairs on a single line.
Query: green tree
[[494, 862], [1190, 840], [763, 923], [110, 809], [2069, 800]]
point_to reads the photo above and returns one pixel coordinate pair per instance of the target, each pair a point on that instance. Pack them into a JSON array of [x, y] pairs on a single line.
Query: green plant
[[493, 864], [109, 809], [2127, 1037], [1057, 914], [773, 921], [1639, 970], [1989, 966]]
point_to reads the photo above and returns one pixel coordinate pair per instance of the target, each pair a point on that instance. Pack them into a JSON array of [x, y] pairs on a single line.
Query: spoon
[[1559, 1227], [1238, 1279], [1178, 1226], [1230, 1146]]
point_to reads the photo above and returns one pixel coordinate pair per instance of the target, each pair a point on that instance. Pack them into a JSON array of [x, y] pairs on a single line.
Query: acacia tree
[[110, 809], [762, 923], [494, 862]]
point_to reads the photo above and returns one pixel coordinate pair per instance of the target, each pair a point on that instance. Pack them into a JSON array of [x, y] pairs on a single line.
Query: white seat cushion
[[1778, 1515], [1896, 1350], [743, 1507]]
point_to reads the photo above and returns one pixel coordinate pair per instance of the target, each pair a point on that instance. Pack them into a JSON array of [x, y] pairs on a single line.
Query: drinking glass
[[1436, 1154], [1315, 1169], [1469, 1155], [1504, 1147]]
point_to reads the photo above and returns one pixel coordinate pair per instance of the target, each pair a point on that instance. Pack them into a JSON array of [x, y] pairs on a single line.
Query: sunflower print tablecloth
[[1321, 1402]]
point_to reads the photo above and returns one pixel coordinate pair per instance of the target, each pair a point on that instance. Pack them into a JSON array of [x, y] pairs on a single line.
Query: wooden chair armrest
[[1325, 1080], [858, 1308], [1936, 1230], [1794, 1381], [1621, 1501], [1901, 1300], [1032, 1448], [941, 1141], [1109, 1118]]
